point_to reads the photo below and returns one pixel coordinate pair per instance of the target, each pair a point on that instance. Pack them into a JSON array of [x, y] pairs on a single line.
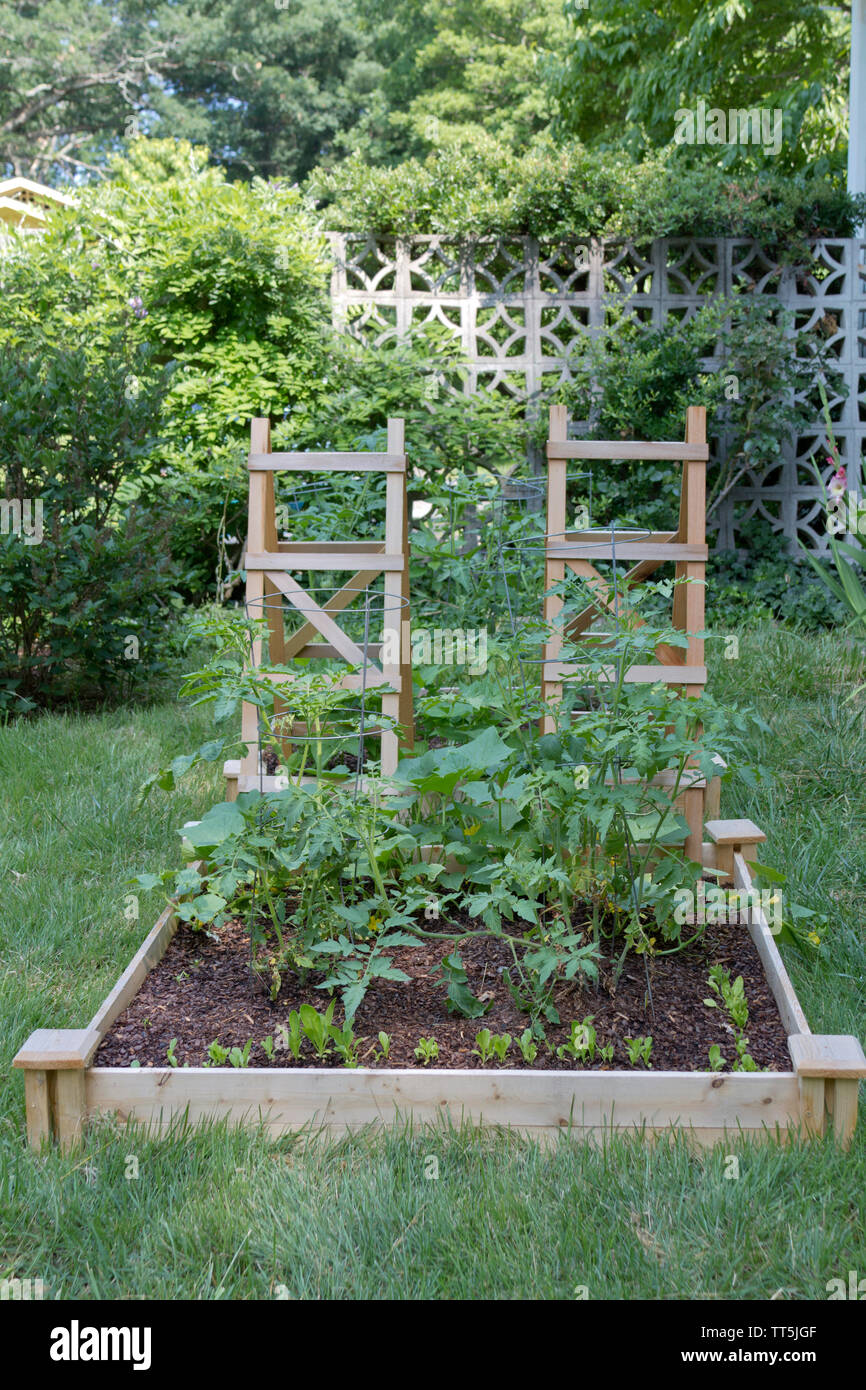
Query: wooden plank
[[149, 954], [291, 1098], [273, 613], [335, 604], [372, 679], [327, 463], [323, 651], [273, 609], [828, 1055], [250, 733], [627, 550], [790, 1012], [392, 609], [584, 537], [690, 777], [627, 449], [267, 783], [812, 1104], [321, 620], [352, 680], [554, 569], [48, 1049], [311, 560], [406, 702], [636, 675], [734, 832], [691, 806], [708, 855], [261, 534], [37, 1101], [688, 605], [713, 795], [840, 1101], [326, 547]]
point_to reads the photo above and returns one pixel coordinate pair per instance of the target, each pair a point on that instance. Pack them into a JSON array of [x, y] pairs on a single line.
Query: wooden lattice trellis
[[270, 564], [581, 551]]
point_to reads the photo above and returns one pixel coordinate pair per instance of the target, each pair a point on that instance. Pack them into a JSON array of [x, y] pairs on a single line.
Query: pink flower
[[838, 483]]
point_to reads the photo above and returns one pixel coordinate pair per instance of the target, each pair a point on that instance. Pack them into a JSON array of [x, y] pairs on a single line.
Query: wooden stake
[[554, 569], [392, 631], [689, 604]]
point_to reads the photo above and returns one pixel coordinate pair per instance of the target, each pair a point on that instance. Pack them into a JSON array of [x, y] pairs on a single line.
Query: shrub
[[87, 597], [224, 283], [766, 579], [635, 382]]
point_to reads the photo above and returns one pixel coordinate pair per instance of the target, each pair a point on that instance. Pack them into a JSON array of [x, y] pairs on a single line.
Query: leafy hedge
[[481, 188]]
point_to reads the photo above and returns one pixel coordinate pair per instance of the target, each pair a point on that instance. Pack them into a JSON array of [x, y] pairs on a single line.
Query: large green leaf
[[220, 823], [441, 769]]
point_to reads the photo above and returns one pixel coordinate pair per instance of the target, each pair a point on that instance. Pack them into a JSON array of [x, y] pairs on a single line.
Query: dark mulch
[[202, 991]]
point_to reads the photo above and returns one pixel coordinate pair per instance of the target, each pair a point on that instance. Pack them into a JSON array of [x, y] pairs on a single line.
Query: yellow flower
[[473, 828], [814, 938], [374, 923]]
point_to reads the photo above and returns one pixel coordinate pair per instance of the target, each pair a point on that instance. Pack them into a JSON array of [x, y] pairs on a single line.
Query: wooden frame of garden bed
[[64, 1089]]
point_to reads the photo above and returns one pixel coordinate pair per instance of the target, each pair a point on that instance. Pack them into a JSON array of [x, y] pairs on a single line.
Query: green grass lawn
[[221, 1214]]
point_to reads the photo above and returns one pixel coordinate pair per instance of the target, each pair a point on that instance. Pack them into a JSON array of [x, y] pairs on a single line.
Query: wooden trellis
[[580, 551], [270, 565]]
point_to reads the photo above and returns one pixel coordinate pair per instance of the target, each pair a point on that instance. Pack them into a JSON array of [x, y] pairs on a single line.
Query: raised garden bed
[[572, 860], [810, 1081]]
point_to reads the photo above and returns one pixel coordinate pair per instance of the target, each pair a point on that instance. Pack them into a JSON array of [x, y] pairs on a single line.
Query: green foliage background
[[212, 144]]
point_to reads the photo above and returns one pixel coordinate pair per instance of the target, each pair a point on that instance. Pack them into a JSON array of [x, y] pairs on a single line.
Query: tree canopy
[[269, 88], [282, 88], [629, 67]]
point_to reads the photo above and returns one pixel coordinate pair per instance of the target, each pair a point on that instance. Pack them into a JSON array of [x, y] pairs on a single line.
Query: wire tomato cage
[[607, 539], [544, 543], [357, 714], [486, 516], [374, 603]]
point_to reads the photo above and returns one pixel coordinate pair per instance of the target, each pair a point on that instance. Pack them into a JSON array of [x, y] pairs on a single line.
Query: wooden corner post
[[829, 1069], [53, 1061]]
